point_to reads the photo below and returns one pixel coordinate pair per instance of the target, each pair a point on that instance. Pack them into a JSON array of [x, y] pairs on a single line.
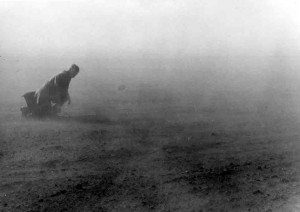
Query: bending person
[[54, 93]]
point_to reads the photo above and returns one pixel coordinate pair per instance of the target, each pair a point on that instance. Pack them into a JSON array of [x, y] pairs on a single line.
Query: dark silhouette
[[49, 99]]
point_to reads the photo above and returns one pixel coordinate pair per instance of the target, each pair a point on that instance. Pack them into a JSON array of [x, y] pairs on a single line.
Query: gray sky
[[168, 28]]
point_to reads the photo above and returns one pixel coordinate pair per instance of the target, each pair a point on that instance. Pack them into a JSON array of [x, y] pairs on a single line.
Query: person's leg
[[58, 101], [42, 109], [43, 101]]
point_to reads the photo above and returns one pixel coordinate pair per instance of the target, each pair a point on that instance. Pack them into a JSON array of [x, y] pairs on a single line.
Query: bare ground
[[156, 157]]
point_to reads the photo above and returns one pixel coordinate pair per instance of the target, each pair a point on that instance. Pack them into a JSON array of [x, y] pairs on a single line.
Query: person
[[49, 99]]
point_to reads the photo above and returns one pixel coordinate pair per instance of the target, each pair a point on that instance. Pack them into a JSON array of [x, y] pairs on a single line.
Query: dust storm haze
[[179, 105], [196, 49]]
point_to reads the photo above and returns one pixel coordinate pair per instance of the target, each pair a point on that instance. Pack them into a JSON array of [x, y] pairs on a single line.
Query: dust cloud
[[210, 54], [179, 105], [220, 84]]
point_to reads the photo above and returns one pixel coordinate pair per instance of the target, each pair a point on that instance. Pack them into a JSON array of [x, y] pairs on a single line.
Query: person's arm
[[37, 95]]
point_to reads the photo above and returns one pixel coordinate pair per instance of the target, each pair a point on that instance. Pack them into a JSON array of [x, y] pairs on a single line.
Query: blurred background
[[233, 54]]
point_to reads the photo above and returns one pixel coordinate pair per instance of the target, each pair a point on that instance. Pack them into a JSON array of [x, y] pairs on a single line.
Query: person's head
[[74, 70]]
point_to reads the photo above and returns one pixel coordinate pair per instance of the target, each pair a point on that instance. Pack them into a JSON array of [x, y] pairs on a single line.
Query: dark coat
[[55, 90]]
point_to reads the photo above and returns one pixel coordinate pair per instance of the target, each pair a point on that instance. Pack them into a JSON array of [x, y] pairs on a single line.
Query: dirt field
[[145, 150]]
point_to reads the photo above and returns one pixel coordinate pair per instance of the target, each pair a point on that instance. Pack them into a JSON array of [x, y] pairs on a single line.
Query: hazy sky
[[149, 27]]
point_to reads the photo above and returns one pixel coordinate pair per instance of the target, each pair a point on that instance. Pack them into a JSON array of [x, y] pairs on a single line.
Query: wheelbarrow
[[38, 110]]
